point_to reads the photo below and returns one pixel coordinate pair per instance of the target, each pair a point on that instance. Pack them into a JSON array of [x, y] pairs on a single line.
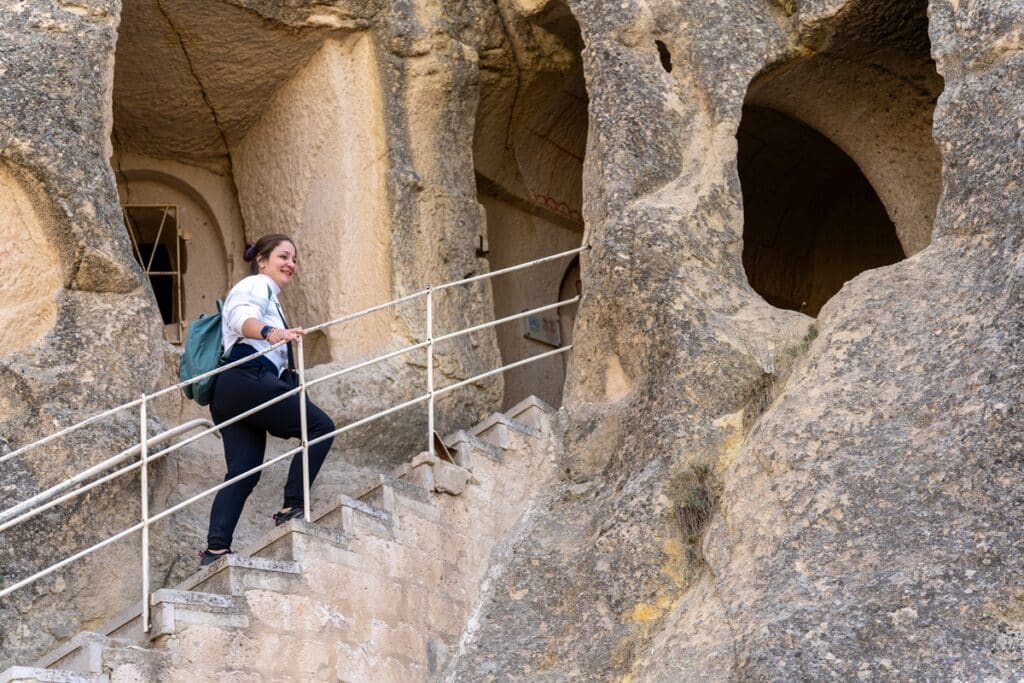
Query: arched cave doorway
[[529, 143], [263, 127], [811, 220], [189, 269]]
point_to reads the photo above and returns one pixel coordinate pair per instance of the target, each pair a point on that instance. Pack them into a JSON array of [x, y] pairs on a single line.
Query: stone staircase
[[378, 588]]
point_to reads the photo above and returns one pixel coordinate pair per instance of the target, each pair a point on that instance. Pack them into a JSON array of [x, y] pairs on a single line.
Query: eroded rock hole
[[664, 55], [812, 221], [529, 143]]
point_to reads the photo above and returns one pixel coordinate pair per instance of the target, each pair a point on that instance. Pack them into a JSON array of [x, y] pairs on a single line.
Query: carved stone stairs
[[377, 589]]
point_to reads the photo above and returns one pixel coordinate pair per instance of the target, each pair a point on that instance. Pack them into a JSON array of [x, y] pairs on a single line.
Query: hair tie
[[250, 252]]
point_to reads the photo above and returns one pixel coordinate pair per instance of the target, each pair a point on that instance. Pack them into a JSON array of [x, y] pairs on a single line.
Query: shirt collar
[[273, 285]]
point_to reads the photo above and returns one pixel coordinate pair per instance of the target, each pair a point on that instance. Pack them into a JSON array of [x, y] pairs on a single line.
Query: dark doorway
[[163, 285], [811, 220]]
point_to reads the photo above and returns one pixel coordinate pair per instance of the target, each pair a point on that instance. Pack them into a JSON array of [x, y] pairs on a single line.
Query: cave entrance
[[252, 126], [812, 221], [839, 168], [529, 144]]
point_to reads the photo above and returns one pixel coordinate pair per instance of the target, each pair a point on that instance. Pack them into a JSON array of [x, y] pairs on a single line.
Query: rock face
[[83, 305], [868, 521], [174, 89], [743, 492]]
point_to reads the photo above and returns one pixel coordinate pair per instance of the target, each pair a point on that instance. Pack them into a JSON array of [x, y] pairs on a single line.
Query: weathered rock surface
[[869, 522], [56, 74], [96, 342], [745, 493]]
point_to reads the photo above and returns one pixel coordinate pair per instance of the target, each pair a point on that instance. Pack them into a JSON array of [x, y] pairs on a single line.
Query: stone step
[[129, 660], [356, 517], [70, 655], [432, 473], [234, 574], [90, 652], [299, 541], [463, 445], [531, 411], [97, 654], [30, 674], [390, 493], [174, 609], [496, 428]]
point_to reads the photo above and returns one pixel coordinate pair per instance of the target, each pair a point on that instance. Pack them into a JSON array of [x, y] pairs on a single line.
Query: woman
[[253, 321]]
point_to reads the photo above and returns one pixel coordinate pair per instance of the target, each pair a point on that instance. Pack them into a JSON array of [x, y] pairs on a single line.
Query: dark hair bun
[[250, 252]]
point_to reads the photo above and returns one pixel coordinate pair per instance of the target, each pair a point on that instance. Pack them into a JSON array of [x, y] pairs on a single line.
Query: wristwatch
[[267, 329]]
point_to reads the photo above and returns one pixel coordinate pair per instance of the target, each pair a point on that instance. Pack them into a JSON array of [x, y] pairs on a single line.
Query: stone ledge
[[240, 571], [30, 674], [463, 439], [531, 411], [172, 608], [290, 541], [360, 506]]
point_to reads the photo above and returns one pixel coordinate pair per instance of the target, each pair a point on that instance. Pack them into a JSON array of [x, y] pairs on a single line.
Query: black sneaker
[[206, 558], [282, 517]]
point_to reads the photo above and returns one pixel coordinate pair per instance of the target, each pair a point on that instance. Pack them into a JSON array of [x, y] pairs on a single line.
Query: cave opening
[[247, 125], [162, 255], [839, 170], [812, 221], [528, 149]]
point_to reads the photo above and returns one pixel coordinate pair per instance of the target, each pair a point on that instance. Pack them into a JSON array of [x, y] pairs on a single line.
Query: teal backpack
[[202, 353], [204, 349]]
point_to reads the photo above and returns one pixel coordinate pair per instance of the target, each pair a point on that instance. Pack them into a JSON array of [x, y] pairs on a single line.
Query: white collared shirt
[[254, 297]]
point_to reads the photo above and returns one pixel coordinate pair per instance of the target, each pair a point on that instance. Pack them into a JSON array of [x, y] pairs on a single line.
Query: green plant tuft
[[695, 495]]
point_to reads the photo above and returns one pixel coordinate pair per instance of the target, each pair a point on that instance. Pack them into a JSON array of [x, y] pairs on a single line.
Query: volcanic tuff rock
[[55, 69], [101, 343], [870, 519], [744, 493]]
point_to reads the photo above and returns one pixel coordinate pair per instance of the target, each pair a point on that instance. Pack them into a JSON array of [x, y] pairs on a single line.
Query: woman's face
[[280, 266]]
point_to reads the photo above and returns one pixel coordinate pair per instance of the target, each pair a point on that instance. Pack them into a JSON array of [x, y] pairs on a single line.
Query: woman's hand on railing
[[279, 335]]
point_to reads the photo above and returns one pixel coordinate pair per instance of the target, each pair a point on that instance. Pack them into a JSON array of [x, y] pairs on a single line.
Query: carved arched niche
[[30, 268], [205, 213]]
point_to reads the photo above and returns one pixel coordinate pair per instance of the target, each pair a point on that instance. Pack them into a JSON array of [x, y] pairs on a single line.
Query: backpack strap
[[270, 299]]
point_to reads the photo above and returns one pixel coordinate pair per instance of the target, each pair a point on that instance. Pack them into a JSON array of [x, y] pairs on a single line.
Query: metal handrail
[[11, 516], [86, 474]]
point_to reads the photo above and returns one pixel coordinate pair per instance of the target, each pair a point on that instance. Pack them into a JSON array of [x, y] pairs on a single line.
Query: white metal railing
[[58, 494]]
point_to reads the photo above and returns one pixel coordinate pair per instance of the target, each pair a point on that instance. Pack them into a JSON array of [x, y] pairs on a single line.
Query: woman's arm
[[252, 326], [247, 301]]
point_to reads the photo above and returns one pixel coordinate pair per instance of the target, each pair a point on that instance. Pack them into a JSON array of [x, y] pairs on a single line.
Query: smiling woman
[[252, 321]]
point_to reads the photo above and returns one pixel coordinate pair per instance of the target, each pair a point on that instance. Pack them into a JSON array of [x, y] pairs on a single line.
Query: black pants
[[236, 391]]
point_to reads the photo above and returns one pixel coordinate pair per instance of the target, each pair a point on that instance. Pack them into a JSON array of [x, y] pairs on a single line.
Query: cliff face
[[865, 465], [744, 492], [221, 109]]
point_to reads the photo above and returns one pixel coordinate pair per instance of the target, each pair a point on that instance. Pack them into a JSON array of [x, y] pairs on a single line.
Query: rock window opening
[[839, 168], [812, 221], [528, 148], [159, 250]]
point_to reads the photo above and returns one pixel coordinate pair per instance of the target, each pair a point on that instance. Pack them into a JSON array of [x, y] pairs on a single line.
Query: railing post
[[304, 429], [430, 370], [144, 487]]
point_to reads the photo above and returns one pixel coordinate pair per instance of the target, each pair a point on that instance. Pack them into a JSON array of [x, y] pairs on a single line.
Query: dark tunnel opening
[[812, 221]]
